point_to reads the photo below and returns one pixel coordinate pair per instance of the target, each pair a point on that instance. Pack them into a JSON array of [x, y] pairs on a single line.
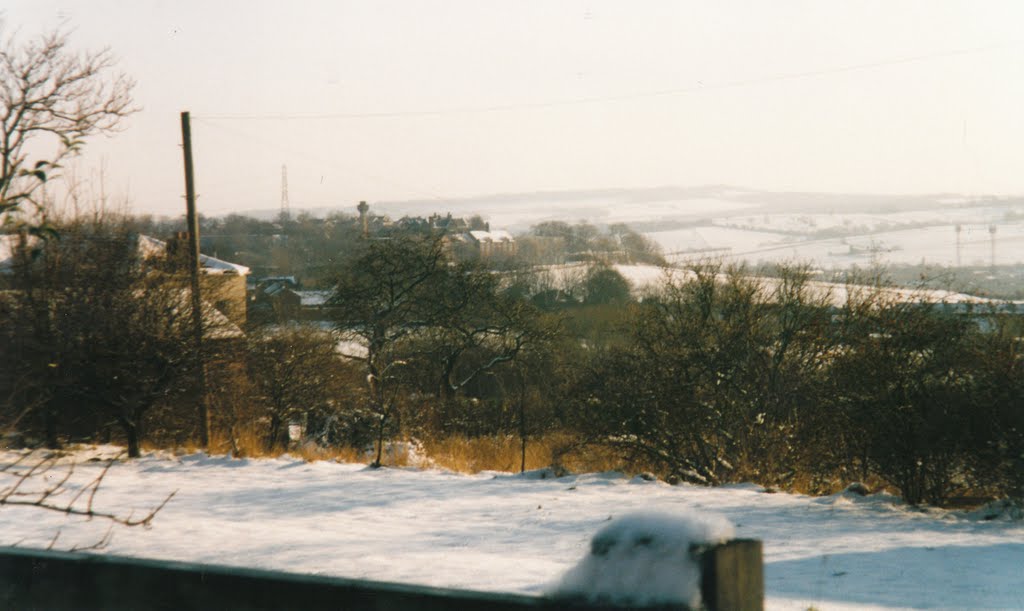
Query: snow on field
[[519, 215], [936, 245], [495, 531], [710, 238], [804, 222], [642, 278]]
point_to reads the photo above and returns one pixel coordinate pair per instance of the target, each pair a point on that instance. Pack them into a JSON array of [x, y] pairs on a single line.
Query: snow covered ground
[[495, 531], [840, 240], [935, 245]]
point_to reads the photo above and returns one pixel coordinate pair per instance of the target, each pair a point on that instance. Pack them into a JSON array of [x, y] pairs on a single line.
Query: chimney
[[177, 250]]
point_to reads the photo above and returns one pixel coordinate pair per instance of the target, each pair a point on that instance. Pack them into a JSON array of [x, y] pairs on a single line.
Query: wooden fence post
[[733, 576]]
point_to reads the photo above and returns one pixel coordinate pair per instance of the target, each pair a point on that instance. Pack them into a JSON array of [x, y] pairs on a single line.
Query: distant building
[[222, 284], [274, 299], [465, 238], [448, 223], [483, 244]]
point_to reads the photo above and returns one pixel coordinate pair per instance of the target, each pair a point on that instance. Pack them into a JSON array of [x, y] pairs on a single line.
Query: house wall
[[227, 293]]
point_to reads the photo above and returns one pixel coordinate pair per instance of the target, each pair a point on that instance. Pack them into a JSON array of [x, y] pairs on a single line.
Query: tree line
[[311, 248], [717, 376]]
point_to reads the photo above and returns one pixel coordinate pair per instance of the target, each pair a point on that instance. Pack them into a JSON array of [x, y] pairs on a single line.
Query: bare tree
[[476, 327], [52, 94], [293, 369], [382, 297], [98, 334]]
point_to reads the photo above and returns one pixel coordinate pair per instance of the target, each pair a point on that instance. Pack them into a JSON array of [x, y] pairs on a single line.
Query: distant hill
[[663, 206]]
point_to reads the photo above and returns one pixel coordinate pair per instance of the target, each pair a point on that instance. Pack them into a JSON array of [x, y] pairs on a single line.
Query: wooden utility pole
[[197, 305]]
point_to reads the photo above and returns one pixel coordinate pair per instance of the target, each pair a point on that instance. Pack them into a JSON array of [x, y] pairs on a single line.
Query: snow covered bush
[[645, 559]]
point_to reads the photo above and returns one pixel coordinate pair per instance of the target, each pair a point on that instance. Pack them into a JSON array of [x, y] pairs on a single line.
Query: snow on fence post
[[685, 559], [41, 579]]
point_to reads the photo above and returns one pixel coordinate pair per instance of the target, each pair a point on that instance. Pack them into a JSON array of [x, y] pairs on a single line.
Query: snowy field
[[934, 245], [742, 225], [519, 215], [495, 531]]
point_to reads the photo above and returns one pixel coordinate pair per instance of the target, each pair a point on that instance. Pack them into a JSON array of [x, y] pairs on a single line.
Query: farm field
[[828, 230], [503, 532], [840, 241]]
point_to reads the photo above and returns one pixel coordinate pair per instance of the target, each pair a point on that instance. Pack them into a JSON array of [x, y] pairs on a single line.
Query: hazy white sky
[[384, 100]]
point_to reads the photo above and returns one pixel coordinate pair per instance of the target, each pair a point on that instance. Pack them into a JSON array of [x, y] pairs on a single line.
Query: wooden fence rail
[[56, 581]]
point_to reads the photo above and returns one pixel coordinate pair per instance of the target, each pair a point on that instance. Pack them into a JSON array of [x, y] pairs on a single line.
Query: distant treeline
[[311, 248], [717, 376]]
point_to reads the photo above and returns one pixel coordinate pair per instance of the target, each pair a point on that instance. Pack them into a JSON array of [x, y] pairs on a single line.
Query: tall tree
[[477, 326], [98, 334], [53, 96], [381, 297], [293, 369]]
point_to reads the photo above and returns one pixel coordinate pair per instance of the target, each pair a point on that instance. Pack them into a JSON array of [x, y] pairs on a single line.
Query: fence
[[55, 581]]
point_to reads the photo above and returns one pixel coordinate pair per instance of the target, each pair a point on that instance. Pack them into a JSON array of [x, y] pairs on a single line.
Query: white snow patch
[[1003, 509], [410, 452], [645, 558], [521, 533]]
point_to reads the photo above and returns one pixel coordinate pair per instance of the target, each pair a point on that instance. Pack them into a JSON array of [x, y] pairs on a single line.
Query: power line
[[607, 99]]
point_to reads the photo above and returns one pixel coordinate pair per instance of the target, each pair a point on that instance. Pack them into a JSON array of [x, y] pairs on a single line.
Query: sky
[[389, 100]]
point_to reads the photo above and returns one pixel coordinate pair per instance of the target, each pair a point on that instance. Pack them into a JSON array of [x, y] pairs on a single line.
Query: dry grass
[[472, 455], [596, 459], [247, 442], [504, 453], [456, 453], [311, 453], [251, 442]]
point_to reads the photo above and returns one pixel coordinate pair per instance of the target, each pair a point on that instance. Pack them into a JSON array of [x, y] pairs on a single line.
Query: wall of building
[[226, 292]]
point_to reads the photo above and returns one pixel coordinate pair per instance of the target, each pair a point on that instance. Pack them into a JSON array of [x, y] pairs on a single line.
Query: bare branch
[[15, 495], [53, 541], [49, 91], [103, 542]]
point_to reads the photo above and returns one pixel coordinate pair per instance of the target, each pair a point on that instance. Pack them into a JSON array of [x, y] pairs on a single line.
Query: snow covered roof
[[839, 294], [216, 325], [647, 278], [314, 298], [275, 288], [212, 265], [498, 235], [152, 247]]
